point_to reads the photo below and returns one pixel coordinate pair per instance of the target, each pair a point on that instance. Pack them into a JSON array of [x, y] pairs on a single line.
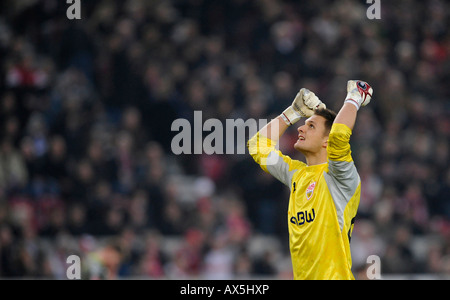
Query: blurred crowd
[[86, 108]]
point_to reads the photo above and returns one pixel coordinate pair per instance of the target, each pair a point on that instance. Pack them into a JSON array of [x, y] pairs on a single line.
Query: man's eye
[[311, 126]]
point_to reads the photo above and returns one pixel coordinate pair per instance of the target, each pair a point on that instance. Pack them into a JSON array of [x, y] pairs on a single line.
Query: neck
[[316, 158]]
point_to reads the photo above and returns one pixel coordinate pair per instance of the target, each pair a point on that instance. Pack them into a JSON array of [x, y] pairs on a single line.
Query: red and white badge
[[310, 190]]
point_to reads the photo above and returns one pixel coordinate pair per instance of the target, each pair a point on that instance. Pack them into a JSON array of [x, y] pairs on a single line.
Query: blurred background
[[86, 108]]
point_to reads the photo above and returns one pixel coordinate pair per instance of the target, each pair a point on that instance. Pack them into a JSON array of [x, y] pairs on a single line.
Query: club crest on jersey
[[310, 190]]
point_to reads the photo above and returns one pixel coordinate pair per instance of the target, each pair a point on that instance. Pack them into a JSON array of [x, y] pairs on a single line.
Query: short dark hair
[[329, 116]]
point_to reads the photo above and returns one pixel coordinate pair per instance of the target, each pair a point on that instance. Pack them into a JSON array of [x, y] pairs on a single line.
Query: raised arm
[[359, 94], [303, 106], [274, 129], [262, 146], [347, 115], [342, 177]]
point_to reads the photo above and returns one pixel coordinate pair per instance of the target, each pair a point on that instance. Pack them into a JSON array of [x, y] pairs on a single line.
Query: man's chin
[[298, 147]]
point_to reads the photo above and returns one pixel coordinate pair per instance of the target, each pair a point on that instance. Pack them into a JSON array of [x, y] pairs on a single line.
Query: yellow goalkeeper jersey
[[322, 206]]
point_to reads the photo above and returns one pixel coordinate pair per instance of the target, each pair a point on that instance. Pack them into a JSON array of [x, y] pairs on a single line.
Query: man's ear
[[325, 142]]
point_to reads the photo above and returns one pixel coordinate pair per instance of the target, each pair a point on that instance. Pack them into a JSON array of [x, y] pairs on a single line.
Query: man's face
[[312, 136]]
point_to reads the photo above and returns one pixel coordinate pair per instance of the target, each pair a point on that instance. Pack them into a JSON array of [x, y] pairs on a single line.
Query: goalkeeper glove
[[359, 93], [304, 104]]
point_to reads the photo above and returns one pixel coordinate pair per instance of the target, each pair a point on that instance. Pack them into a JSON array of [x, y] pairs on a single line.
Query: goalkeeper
[[324, 192]]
